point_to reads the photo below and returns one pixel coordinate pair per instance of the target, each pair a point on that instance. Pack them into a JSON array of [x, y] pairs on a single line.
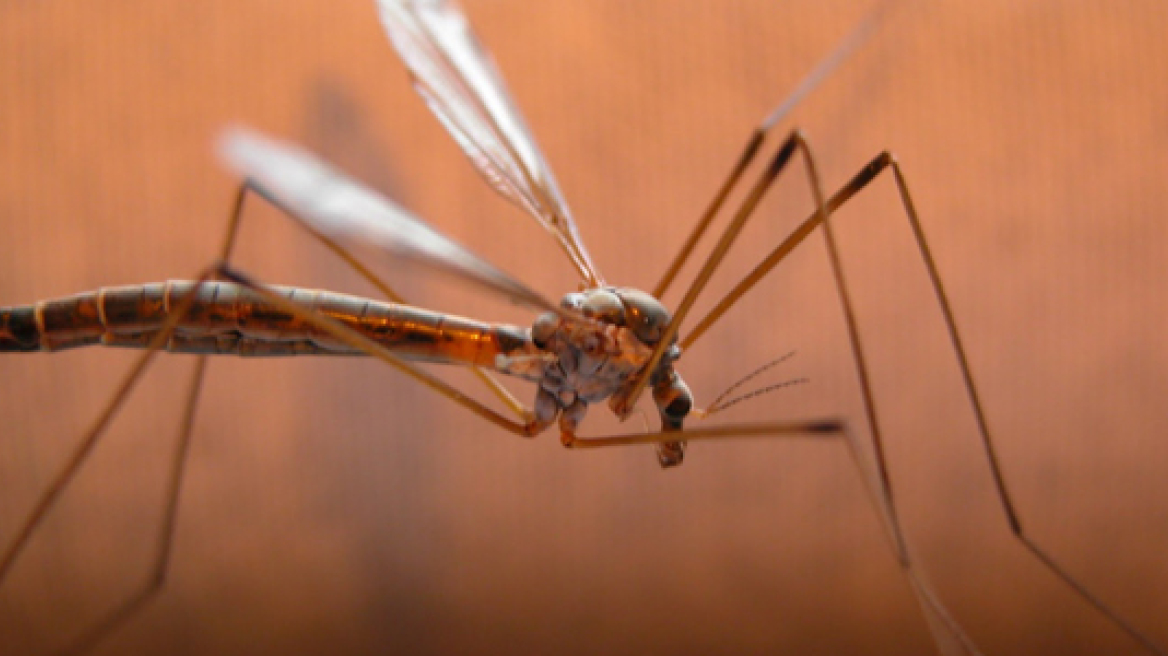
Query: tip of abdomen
[[18, 329]]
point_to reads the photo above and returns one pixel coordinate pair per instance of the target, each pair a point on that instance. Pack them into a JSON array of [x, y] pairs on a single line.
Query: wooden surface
[[330, 507]]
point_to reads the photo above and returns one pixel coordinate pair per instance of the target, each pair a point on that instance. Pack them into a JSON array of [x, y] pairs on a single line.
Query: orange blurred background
[[331, 507]]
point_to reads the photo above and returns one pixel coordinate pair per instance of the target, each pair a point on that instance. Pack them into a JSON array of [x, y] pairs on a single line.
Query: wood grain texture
[[331, 507]]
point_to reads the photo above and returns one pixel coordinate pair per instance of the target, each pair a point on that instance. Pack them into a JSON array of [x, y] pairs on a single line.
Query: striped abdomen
[[229, 319]]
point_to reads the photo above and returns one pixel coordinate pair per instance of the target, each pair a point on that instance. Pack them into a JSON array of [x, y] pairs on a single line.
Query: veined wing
[[338, 206], [458, 80]]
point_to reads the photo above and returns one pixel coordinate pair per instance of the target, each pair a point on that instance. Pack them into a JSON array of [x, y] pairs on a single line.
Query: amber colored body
[[228, 319]]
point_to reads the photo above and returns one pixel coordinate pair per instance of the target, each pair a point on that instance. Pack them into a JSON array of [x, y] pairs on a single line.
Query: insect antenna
[[721, 402]]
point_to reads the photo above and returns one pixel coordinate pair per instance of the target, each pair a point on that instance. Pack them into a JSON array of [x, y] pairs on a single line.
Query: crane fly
[[603, 344]]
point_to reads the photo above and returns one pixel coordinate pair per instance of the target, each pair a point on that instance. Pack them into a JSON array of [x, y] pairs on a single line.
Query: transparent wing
[[458, 80], [335, 205]]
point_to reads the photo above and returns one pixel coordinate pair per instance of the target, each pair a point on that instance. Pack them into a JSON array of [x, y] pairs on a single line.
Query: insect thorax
[[594, 360]]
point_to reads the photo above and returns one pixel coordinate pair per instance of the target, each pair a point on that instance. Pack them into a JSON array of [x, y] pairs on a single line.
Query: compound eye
[[647, 325], [645, 315], [544, 329], [572, 301], [603, 305]]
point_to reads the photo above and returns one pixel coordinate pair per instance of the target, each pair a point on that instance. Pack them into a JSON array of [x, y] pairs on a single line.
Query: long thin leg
[[883, 491], [493, 385], [821, 72], [625, 404], [361, 343], [881, 162], [164, 538], [947, 633], [528, 427], [160, 562], [830, 428], [748, 154], [160, 566], [81, 453], [858, 182]]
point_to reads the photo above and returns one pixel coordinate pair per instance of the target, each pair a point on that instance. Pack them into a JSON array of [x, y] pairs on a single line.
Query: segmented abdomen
[[229, 319]]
